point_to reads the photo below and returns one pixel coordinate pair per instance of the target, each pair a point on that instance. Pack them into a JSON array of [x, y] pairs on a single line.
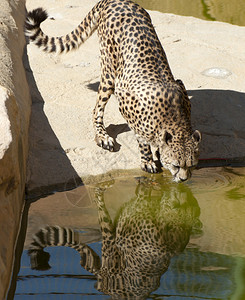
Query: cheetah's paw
[[149, 167], [105, 142]]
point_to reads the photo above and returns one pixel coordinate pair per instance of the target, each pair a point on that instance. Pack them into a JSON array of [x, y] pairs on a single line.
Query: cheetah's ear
[[181, 84], [197, 136], [167, 137]]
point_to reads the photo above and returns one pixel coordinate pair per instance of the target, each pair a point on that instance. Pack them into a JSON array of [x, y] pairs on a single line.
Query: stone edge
[[15, 107]]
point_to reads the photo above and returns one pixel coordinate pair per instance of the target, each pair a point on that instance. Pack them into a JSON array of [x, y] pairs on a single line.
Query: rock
[[15, 104], [6, 137]]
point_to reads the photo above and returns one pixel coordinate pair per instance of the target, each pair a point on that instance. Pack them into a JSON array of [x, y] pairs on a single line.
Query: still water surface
[[231, 11], [159, 240]]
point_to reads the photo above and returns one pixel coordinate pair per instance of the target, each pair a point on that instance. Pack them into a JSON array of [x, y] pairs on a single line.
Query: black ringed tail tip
[[35, 18]]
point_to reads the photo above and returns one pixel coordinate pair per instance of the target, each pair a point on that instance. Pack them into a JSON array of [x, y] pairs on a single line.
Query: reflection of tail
[[58, 236], [64, 43]]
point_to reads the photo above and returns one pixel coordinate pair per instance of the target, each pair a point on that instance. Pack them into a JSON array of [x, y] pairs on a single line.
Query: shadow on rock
[[115, 130], [47, 159], [219, 115], [93, 86]]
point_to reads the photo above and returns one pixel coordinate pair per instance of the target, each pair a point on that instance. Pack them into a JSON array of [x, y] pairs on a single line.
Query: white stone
[[217, 73], [5, 130]]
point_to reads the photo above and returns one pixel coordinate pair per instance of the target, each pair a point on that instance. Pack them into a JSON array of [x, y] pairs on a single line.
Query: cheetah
[[135, 68], [137, 248]]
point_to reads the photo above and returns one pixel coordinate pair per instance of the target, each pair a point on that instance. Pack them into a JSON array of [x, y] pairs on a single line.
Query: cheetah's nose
[[183, 179]]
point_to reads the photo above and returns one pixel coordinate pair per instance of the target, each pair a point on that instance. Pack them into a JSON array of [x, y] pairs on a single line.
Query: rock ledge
[[15, 106]]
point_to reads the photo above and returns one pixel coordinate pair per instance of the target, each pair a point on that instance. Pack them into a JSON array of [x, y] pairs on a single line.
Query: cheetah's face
[[180, 158]]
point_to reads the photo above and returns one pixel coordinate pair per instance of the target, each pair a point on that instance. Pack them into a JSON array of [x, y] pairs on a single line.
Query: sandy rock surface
[[209, 57]]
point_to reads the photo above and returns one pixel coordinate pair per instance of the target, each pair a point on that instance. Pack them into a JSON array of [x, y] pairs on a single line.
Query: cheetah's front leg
[[105, 221], [147, 163], [101, 136]]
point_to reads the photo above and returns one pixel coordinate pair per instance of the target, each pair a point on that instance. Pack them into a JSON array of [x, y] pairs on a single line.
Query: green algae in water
[[213, 10]]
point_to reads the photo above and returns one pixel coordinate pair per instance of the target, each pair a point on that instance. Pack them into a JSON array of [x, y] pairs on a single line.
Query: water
[[196, 239], [214, 10]]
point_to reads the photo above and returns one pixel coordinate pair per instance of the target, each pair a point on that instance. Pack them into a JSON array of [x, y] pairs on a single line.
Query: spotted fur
[[134, 67]]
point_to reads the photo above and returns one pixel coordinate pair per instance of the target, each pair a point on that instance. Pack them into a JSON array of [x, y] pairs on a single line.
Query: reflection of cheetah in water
[[134, 67], [137, 247]]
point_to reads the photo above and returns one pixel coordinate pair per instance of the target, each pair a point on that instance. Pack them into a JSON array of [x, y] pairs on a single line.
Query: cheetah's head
[[180, 157]]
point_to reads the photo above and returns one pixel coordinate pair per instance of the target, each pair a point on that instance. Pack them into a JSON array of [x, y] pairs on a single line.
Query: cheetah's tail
[[51, 236], [64, 43]]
